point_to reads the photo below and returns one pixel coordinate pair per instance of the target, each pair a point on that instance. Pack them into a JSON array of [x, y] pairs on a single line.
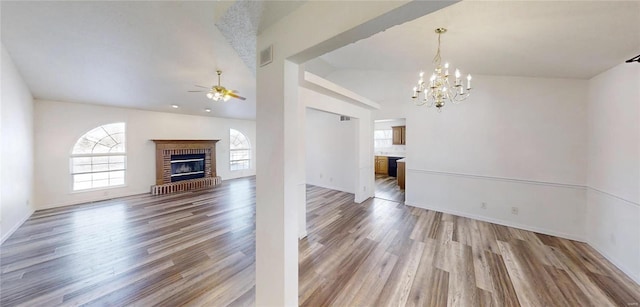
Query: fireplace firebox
[[185, 167]]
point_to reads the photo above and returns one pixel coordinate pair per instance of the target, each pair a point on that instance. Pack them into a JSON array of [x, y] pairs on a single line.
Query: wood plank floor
[[198, 249], [387, 188]]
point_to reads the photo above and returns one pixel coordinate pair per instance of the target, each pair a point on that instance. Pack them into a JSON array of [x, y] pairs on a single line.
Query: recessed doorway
[[389, 139]]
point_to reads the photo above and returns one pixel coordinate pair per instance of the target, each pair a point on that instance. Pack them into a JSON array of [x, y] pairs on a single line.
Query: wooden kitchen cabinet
[[382, 165], [399, 135]]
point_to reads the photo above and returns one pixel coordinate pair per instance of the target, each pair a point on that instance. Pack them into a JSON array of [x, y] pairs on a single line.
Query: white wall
[[516, 142], [59, 124], [613, 210], [330, 151], [16, 156], [365, 180]]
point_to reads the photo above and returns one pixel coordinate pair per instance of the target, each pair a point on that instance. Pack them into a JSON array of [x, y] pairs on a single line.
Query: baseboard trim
[[15, 227], [330, 187], [615, 262], [499, 222], [90, 200], [302, 235], [494, 178]]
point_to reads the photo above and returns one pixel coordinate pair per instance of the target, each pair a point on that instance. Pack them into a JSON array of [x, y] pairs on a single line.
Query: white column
[[277, 185], [280, 174]]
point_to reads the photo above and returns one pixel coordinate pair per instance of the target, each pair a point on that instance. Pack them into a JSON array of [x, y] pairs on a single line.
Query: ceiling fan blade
[[196, 91], [234, 95], [201, 86]]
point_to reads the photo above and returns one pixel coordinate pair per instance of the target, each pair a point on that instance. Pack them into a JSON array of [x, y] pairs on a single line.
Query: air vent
[[344, 118], [266, 55]]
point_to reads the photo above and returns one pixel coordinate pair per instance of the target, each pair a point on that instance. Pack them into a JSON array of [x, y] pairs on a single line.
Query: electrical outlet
[[612, 238], [483, 205], [320, 175], [330, 179], [364, 189], [514, 210]]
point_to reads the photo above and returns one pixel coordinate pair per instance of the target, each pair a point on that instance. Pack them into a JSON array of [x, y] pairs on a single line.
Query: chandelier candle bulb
[[468, 81]]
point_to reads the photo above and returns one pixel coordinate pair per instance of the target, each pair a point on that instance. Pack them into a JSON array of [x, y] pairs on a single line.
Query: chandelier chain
[[437, 59]]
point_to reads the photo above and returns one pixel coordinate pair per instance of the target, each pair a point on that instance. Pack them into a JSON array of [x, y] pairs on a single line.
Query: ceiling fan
[[219, 92]]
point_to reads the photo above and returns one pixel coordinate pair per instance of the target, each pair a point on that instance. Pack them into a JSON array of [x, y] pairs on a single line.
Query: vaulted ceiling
[[144, 55], [550, 39], [149, 54]]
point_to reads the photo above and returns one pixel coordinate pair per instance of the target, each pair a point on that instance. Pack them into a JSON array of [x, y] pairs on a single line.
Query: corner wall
[[365, 180], [613, 196], [16, 154], [330, 151], [58, 126]]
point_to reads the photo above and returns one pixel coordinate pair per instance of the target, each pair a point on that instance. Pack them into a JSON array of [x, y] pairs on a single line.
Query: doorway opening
[[389, 139]]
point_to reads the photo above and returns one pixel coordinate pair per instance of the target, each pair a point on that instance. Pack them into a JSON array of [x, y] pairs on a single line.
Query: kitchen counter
[[401, 172], [400, 155]]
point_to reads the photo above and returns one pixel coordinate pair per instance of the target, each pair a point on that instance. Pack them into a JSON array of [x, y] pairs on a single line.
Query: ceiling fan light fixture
[[219, 92]]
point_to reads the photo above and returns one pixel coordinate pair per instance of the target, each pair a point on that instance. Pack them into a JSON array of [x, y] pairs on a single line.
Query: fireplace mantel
[[166, 148]]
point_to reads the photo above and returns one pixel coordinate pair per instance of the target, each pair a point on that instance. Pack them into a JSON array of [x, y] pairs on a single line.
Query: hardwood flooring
[[198, 248], [387, 188]]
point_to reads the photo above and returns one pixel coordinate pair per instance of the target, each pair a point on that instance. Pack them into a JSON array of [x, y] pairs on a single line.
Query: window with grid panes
[[98, 159], [382, 138], [239, 151]]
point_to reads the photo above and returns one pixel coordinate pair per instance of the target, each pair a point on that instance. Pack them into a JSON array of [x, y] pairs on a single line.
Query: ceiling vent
[[266, 55], [344, 118]]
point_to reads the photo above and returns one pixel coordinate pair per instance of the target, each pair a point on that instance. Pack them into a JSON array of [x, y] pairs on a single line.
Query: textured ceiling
[[239, 25], [558, 39], [245, 19]]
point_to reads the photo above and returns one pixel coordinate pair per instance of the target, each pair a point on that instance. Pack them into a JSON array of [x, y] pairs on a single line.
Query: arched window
[[239, 151], [98, 158]]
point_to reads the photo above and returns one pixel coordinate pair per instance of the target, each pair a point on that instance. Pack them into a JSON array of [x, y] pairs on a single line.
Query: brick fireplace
[[183, 165]]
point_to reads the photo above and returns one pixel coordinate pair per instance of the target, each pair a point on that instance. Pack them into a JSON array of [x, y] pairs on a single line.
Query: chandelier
[[439, 90]]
